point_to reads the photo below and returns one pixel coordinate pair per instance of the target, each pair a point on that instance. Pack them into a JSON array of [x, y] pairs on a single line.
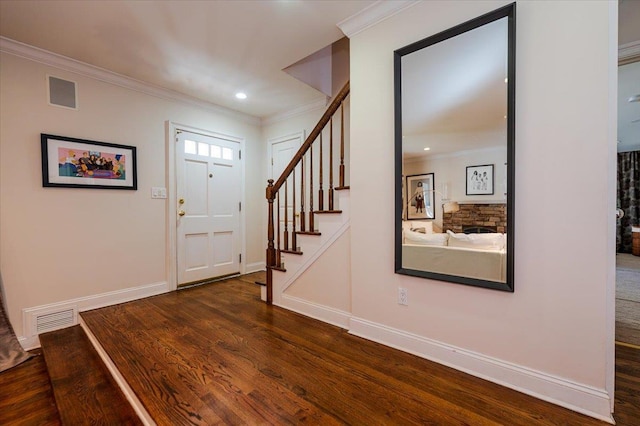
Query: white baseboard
[[323, 313], [254, 267], [557, 390], [30, 339]]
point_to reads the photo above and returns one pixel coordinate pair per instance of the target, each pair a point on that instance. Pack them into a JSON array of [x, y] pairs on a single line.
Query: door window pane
[[189, 147], [227, 154], [203, 149], [216, 152]]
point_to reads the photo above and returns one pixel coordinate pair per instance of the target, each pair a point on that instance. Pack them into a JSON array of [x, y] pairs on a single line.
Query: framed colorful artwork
[[80, 163]]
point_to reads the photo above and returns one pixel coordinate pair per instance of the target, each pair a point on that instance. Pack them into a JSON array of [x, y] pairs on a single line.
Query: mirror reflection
[[454, 142]]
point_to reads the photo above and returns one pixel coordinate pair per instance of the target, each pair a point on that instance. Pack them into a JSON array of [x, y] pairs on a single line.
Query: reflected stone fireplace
[[484, 217]]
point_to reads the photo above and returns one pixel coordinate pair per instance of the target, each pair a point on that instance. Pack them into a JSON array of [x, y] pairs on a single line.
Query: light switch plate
[[158, 192]]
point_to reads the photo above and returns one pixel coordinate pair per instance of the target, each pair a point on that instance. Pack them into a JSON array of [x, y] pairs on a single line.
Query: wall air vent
[[62, 93], [55, 320]]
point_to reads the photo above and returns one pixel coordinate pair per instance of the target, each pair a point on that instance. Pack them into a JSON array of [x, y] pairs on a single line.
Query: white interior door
[[208, 183], [282, 151]]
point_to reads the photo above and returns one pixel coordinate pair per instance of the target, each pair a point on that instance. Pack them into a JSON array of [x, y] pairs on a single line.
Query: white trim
[[287, 115], [171, 129], [372, 15], [29, 343], [255, 267], [137, 406], [628, 50], [612, 178], [322, 313], [557, 390], [65, 63], [86, 303]]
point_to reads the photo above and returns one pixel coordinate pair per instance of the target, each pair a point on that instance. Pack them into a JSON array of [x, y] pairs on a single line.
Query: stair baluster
[[311, 215], [342, 146], [303, 218], [321, 190], [294, 237], [331, 164]]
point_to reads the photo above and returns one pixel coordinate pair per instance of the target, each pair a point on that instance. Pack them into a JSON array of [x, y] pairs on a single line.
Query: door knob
[[181, 212]]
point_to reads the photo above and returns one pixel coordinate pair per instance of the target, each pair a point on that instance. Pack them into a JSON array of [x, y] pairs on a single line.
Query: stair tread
[[298, 252], [84, 390], [277, 268], [328, 211], [308, 233], [341, 188]]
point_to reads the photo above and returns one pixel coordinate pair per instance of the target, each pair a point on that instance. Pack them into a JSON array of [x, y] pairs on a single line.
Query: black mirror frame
[[509, 12]]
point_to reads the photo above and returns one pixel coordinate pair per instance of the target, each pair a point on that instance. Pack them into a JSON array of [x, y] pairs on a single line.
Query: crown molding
[[319, 104], [65, 63], [370, 16], [629, 52]]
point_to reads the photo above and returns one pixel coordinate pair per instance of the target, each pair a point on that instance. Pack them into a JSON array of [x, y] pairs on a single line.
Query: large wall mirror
[[454, 153]]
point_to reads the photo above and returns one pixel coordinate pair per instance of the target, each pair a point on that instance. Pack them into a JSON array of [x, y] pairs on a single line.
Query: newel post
[[271, 250]]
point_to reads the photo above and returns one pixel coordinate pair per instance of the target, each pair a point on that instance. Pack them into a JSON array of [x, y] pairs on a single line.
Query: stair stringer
[[331, 227]]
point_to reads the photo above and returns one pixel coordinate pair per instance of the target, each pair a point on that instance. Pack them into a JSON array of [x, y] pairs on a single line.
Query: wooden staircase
[[292, 218], [83, 388]]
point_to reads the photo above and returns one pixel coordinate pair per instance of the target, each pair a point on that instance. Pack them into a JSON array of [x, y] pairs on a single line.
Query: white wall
[[556, 329], [60, 244]]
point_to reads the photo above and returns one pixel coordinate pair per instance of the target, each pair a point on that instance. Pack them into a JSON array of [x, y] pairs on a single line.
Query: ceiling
[[209, 50]]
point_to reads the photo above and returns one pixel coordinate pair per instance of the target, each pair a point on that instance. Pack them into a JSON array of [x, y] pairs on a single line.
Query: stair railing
[[296, 166]]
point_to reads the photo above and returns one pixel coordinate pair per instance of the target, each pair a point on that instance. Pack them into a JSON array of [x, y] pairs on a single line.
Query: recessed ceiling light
[[427, 149], [241, 95]]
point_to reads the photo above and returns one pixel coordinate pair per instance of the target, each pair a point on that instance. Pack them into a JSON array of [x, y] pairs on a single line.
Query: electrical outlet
[[403, 299]]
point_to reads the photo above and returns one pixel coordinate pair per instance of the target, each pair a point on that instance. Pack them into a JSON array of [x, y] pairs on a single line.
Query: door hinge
[[239, 154], [240, 258], [240, 206], [272, 161]]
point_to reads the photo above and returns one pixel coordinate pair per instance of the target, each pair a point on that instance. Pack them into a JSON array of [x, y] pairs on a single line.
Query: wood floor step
[[328, 211], [277, 268], [309, 233], [298, 252], [84, 390], [341, 188]]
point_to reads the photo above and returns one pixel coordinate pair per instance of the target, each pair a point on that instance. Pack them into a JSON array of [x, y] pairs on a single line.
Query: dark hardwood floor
[[216, 354], [26, 397], [84, 389]]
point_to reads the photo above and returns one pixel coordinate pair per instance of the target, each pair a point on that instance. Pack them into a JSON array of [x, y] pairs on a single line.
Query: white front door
[[208, 183]]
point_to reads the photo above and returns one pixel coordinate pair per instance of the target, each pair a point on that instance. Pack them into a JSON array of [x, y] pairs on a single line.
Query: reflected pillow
[[418, 226], [418, 238], [476, 241]]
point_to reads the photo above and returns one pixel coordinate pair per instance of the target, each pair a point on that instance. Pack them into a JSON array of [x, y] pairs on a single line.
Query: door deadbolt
[[210, 175], [181, 201]]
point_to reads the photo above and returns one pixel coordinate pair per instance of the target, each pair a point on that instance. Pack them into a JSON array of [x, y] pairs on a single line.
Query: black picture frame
[[81, 163], [417, 186], [480, 180]]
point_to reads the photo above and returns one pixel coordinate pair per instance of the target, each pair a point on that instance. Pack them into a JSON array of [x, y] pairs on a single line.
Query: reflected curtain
[[628, 198]]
